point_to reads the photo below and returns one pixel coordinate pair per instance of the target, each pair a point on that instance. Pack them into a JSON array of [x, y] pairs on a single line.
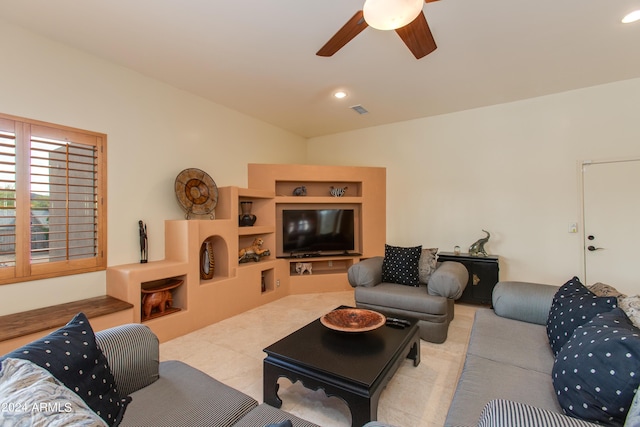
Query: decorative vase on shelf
[[246, 219]]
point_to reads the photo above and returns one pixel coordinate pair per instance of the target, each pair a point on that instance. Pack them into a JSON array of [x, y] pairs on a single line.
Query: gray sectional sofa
[[140, 390], [172, 393], [508, 375]]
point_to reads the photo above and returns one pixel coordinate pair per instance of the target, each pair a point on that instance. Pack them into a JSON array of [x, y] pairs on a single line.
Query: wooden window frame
[[24, 269]]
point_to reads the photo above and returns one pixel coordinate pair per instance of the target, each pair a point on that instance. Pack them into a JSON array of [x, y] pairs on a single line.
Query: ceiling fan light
[[631, 17], [391, 14]]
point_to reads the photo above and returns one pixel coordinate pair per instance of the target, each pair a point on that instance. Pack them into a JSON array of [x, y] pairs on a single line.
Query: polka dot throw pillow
[[597, 373], [71, 354], [573, 305], [400, 265]]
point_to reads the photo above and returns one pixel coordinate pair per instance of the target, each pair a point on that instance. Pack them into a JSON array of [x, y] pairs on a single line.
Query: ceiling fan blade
[[417, 36], [352, 28]]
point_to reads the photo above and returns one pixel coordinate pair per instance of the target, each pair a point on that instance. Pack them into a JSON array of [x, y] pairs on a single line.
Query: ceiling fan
[[416, 34]]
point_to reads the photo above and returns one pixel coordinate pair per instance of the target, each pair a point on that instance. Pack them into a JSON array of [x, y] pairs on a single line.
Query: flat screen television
[[320, 232]]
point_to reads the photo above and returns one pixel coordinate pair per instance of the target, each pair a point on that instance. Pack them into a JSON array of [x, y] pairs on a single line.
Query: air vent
[[359, 109]]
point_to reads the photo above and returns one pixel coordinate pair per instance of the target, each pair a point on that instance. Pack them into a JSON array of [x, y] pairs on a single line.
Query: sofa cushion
[[427, 264], [524, 301], [573, 305], [604, 290], [633, 416], [503, 413], [631, 307], [31, 396], [400, 265], [510, 342], [406, 298], [367, 272], [483, 380], [597, 373], [185, 396], [73, 357], [133, 354]]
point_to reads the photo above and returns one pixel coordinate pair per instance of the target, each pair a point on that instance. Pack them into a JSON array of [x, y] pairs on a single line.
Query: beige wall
[[511, 169], [154, 131]]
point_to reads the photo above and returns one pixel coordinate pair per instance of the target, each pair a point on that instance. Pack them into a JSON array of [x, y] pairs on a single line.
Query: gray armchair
[[431, 303]]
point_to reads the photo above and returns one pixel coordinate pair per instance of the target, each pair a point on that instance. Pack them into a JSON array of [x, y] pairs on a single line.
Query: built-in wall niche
[[267, 280], [255, 248], [261, 208], [213, 258], [162, 297], [311, 266], [317, 189]]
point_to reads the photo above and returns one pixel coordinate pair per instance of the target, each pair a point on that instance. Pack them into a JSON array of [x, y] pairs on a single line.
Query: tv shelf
[[326, 265], [319, 200], [318, 188], [365, 194]]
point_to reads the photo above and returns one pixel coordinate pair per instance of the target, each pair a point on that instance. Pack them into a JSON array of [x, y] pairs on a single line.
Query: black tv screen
[[318, 230]]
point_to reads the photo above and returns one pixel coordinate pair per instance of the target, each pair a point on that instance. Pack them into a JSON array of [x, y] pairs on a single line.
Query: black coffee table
[[353, 366]]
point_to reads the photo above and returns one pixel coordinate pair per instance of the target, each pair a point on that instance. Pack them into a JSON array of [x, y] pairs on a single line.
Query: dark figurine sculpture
[[477, 248], [300, 191], [143, 242]]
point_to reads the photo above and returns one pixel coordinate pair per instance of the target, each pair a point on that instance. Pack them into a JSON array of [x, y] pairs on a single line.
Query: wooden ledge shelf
[[42, 319]]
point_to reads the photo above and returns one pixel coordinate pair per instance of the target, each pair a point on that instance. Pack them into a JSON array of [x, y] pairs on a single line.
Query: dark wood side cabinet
[[483, 275]]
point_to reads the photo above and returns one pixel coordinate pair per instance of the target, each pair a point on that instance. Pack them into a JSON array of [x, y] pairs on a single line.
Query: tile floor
[[231, 352]]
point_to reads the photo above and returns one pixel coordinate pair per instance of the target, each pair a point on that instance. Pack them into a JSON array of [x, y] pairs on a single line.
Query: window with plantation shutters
[[52, 200]]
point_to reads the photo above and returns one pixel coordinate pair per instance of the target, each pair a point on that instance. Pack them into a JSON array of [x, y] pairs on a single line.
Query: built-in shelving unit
[[235, 287], [239, 286], [365, 193]]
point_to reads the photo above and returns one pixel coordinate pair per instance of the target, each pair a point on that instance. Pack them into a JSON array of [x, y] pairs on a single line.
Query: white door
[[611, 194]]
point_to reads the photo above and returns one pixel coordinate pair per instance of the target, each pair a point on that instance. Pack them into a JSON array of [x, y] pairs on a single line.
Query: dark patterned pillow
[[596, 374], [400, 265], [73, 357], [573, 305]]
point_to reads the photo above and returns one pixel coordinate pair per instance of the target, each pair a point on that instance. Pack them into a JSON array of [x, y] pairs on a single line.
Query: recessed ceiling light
[[340, 94], [631, 17]]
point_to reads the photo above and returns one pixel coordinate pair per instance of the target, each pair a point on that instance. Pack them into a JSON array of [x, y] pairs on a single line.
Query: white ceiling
[[258, 56]]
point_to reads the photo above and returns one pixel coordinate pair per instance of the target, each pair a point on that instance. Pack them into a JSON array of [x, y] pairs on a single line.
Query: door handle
[[593, 248]]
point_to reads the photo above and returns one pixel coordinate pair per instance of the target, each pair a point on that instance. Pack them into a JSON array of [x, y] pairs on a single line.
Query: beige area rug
[[231, 352]]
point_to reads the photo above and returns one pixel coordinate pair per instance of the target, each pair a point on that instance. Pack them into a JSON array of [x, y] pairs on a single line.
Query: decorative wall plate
[[353, 320], [197, 192]]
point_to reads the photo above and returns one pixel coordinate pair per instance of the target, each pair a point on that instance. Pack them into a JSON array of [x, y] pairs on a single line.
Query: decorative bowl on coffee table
[[353, 320]]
